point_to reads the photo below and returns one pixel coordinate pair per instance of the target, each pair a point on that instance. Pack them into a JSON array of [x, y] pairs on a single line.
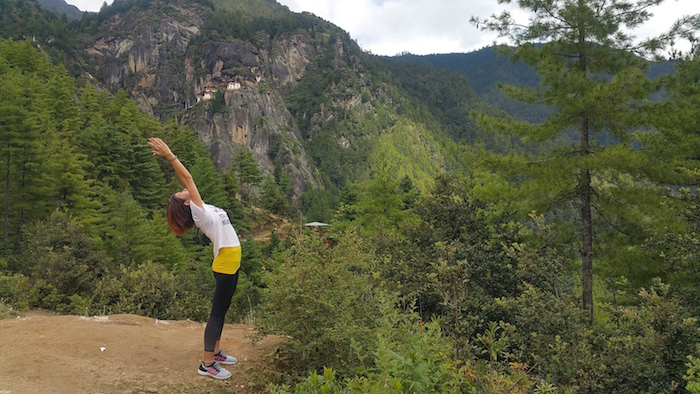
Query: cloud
[[391, 26], [88, 5], [387, 27]]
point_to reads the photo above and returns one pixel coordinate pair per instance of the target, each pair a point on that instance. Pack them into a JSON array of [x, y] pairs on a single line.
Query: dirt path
[[121, 354], [264, 224]]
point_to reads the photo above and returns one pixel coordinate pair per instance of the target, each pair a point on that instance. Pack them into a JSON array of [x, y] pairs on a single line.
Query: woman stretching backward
[[186, 210]]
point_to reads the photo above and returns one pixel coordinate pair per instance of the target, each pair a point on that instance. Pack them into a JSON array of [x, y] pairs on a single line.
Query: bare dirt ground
[[267, 224], [41, 353]]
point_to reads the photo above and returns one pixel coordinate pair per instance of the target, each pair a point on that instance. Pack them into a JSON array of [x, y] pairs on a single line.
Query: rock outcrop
[[228, 89]]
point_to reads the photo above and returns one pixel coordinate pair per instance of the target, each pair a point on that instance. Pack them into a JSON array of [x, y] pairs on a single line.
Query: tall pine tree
[[592, 76]]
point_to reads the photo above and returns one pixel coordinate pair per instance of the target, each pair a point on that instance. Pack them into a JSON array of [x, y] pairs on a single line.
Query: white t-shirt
[[215, 224]]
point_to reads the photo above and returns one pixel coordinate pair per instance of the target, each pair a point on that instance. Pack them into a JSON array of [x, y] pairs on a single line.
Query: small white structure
[[316, 224], [234, 85], [208, 92]]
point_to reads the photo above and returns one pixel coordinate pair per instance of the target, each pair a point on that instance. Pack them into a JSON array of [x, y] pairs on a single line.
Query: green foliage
[[449, 96], [692, 376], [247, 172], [319, 204], [62, 261], [487, 70], [410, 156], [323, 299], [677, 142], [412, 357], [275, 194], [146, 290], [381, 210], [15, 290], [453, 262], [218, 102], [647, 348], [603, 89], [639, 349], [128, 235], [23, 116], [60, 252], [245, 19]]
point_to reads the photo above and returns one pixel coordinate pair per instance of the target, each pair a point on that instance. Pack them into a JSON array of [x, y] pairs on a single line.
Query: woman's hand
[[160, 148]]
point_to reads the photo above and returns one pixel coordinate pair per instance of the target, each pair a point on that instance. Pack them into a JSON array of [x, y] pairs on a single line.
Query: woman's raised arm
[[160, 148]]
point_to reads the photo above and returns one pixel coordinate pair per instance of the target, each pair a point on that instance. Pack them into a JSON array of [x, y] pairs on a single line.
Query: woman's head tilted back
[[179, 216]]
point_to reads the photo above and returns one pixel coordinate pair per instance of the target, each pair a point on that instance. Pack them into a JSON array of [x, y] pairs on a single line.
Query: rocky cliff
[[225, 90]]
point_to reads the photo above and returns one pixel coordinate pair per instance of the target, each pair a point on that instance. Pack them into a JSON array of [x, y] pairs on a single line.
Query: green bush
[[195, 287], [322, 298], [146, 290], [413, 357], [692, 376], [645, 348], [59, 257], [639, 349], [14, 291]]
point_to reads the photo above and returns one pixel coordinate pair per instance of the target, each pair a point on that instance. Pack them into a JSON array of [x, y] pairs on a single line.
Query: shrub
[[59, 257], [146, 290], [413, 357], [14, 291], [323, 299]]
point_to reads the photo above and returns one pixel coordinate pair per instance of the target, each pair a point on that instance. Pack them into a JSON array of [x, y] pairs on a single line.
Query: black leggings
[[225, 287]]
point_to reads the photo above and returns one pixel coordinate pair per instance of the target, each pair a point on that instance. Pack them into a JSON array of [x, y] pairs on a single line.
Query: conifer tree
[[13, 125], [247, 171], [211, 188], [678, 120], [23, 114], [147, 184], [128, 235], [105, 147], [170, 251], [381, 210], [593, 77], [66, 186]]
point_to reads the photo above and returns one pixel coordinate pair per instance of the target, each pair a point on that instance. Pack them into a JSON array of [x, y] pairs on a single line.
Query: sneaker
[[223, 358], [214, 370]]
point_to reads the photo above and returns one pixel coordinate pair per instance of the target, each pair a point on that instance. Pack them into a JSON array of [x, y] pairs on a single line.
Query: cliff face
[[143, 53], [227, 89]]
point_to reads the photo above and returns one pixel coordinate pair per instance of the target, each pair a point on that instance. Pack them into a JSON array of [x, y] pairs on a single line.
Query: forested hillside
[[473, 246], [62, 8], [486, 68]]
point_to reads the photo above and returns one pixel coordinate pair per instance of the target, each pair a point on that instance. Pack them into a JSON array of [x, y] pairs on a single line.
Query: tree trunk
[[7, 197], [586, 227], [585, 190], [587, 247]]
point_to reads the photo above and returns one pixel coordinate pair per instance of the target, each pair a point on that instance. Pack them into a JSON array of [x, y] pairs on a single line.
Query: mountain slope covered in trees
[[292, 89], [60, 7]]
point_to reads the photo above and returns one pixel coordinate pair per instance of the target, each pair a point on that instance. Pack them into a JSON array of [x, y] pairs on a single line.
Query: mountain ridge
[[60, 7]]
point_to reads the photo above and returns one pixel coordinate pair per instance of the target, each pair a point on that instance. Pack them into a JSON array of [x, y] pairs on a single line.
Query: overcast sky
[[388, 27]]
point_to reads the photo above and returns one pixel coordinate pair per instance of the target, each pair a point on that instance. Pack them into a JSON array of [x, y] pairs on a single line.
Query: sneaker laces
[[222, 354], [214, 365]]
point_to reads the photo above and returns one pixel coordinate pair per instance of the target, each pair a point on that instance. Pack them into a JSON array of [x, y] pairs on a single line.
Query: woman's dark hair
[[179, 216]]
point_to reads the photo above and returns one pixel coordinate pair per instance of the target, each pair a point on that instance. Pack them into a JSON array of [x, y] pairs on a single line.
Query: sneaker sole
[[205, 373]]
